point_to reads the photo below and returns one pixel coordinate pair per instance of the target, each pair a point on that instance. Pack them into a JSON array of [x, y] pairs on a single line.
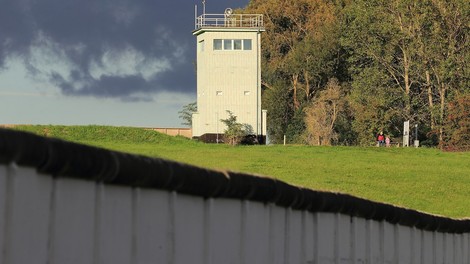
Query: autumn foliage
[[395, 61], [457, 125]]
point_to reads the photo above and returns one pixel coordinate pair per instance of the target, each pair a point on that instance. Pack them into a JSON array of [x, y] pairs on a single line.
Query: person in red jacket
[[380, 139]]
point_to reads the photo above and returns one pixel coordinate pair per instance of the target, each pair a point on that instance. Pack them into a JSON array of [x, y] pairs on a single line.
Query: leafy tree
[[235, 132], [323, 113], [373, 37], [417, 47], [277, 102], [299, 54], [296, 128], [457, 124], [444, 49], [343, 125], [187, 113], [376, 106], [396, 59]]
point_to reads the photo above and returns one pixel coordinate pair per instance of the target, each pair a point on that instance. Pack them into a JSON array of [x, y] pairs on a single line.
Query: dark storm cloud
[[87, 38], [15, 33], [105, 86]]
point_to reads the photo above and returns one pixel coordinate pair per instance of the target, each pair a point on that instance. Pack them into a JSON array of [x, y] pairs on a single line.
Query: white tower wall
[[228, 78]]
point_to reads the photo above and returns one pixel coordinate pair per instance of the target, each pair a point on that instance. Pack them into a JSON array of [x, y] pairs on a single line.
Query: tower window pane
[[217, 44], [247, 44], [228, 44], [237, 44]]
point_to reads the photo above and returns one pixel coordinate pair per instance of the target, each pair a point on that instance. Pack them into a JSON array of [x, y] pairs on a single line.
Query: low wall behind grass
[[184, 132], [62, 202]]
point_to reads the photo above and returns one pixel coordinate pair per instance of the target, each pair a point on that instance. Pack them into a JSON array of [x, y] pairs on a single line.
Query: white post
[[416, 136], [195, 16], [264, 126], [406, 133]]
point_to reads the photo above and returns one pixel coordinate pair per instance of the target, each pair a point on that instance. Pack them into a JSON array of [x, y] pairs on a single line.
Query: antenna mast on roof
[[203, 7]]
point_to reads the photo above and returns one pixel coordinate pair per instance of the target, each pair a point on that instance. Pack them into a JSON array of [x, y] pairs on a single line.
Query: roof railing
[[229, 21]]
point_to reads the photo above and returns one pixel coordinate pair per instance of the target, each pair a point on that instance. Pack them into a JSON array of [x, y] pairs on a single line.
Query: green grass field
[[427, 180]]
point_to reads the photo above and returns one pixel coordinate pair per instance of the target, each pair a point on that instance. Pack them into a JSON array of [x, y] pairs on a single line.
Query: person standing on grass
[[387, 141], [380, 139]]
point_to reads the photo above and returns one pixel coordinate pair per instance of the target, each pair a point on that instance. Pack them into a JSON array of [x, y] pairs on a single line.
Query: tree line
[[337, 72]]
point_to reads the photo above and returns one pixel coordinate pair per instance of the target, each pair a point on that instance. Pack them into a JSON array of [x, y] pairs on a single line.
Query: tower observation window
[[232, 44]]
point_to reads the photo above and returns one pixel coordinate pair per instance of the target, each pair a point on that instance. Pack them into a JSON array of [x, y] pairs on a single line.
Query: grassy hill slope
[[424, 179]]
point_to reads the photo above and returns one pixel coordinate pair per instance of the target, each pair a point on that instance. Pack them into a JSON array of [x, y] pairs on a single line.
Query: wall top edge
[[59, 158]]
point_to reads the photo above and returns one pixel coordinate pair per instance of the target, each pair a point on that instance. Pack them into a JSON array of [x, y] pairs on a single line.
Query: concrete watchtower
[[228, 73]]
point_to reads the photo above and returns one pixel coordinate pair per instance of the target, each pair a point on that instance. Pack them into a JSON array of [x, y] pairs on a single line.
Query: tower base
[[219, 138]]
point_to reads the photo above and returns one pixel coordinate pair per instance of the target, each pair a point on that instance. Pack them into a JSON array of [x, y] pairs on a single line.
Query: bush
[[235, 132]]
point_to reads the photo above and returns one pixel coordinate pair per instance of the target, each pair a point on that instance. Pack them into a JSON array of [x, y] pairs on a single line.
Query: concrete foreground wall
[[59, 220], [62, 202]]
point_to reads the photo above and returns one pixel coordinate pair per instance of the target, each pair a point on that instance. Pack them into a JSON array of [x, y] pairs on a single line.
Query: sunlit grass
[[424, 179]]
